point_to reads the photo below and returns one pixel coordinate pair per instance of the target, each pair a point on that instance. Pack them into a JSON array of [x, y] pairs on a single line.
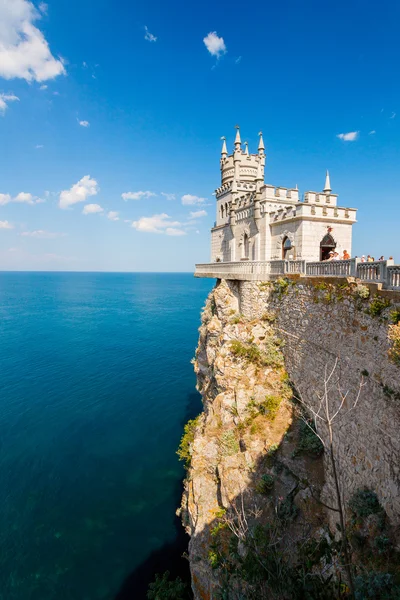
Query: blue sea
[[95, 386]]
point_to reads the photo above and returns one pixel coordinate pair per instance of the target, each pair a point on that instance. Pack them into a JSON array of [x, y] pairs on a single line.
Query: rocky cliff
[[257, 490]]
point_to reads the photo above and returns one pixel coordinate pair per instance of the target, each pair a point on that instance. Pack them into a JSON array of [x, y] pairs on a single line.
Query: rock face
[[254, 339], [247, 417]]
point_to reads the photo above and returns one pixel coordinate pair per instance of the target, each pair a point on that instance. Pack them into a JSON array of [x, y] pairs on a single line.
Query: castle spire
[[327, 189], [261, 146], [224, 151], [238, 141], [246, 149]]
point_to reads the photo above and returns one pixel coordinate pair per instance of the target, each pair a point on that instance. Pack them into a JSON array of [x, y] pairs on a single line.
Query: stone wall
[[322, 321]]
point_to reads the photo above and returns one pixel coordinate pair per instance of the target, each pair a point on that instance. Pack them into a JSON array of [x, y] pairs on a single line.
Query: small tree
[[327, 413]]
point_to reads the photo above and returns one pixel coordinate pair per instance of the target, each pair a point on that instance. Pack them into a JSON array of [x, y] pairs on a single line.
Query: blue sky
[[111, 113]]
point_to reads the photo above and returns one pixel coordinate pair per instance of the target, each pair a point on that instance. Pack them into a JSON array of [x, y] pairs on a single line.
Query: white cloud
[[113, 215], [393, 115], [5, 199], [22, 197], [43, 8], [168, 196], [38, 146], [43, 87], [79, 192], [91, 209], [351, 136], [372, 132], [156, 224], [83, 123], [214, 44], [149, 36], [175, 231], [190, 199], [239, 58], [24, 51], [41, 234], [197, 214], [137, 195], [4, 99], [6, 225]]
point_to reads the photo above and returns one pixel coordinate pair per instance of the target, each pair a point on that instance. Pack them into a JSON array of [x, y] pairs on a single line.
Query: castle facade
[[257, 221]]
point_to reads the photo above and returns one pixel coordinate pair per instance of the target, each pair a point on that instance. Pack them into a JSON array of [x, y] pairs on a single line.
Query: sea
[[95, 387]]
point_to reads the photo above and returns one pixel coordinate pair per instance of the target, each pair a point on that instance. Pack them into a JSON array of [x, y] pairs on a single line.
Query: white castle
[[260, 222]]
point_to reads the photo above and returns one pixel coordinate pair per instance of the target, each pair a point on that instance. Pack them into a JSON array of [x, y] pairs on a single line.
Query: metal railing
[[383, 272]]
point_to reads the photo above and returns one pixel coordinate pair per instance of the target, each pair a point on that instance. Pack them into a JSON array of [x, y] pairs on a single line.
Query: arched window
[[327, 245], [246, 246], [222, 211], [287, 249], [226, 209]]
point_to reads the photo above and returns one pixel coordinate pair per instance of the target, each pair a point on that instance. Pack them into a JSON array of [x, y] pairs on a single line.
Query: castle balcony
[[381, 272]]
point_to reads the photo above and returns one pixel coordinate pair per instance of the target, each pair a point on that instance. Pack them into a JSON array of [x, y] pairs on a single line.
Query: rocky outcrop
[[244, 465]]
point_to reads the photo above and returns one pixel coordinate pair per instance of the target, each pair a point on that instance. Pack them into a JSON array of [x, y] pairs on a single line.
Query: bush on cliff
[[270, 356], [164, 589], [309, 442], [185, 447]]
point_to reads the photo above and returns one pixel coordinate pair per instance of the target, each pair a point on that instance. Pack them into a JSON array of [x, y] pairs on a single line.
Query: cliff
[[259, 489]]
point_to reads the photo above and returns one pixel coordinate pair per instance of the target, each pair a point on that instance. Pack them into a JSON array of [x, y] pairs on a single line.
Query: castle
[[259, 222]]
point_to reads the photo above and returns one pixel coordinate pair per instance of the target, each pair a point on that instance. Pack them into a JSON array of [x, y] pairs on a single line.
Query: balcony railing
[[383, 272]]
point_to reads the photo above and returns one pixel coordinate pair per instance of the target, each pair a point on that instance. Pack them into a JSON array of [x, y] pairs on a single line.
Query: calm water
[[95, 386]]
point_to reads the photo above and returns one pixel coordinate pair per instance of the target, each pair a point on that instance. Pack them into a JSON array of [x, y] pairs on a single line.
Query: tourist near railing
[[384, 272]]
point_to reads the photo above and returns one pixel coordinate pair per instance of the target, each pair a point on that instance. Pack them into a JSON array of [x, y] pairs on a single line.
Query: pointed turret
[[238, 141], [327, 189], [261, 147], [246, 150], [224, 151]]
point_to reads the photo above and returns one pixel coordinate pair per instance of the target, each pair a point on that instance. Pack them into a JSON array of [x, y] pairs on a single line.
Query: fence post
[[354, 266]]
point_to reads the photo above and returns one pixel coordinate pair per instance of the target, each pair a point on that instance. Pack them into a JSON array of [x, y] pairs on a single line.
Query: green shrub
[[309, 442], [270, 406], [164, 589], [272, 450], [382, 544], [364, 503], [377, 306], [185, 447], [249, 352], [229, 443], [394, 337], [287, 510], [320, 286], [270, 356], [265, 484], [395, 316], [214, 558], [268, 316], [281, 286], [362, 291], [376, 586]]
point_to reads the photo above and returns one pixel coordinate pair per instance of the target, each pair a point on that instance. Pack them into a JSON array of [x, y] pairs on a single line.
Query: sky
[[112, 112]]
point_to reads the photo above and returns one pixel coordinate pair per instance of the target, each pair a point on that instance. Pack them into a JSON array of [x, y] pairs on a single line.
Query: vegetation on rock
[[394, 337], [377, 306], [165, 589], [185, 447]]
